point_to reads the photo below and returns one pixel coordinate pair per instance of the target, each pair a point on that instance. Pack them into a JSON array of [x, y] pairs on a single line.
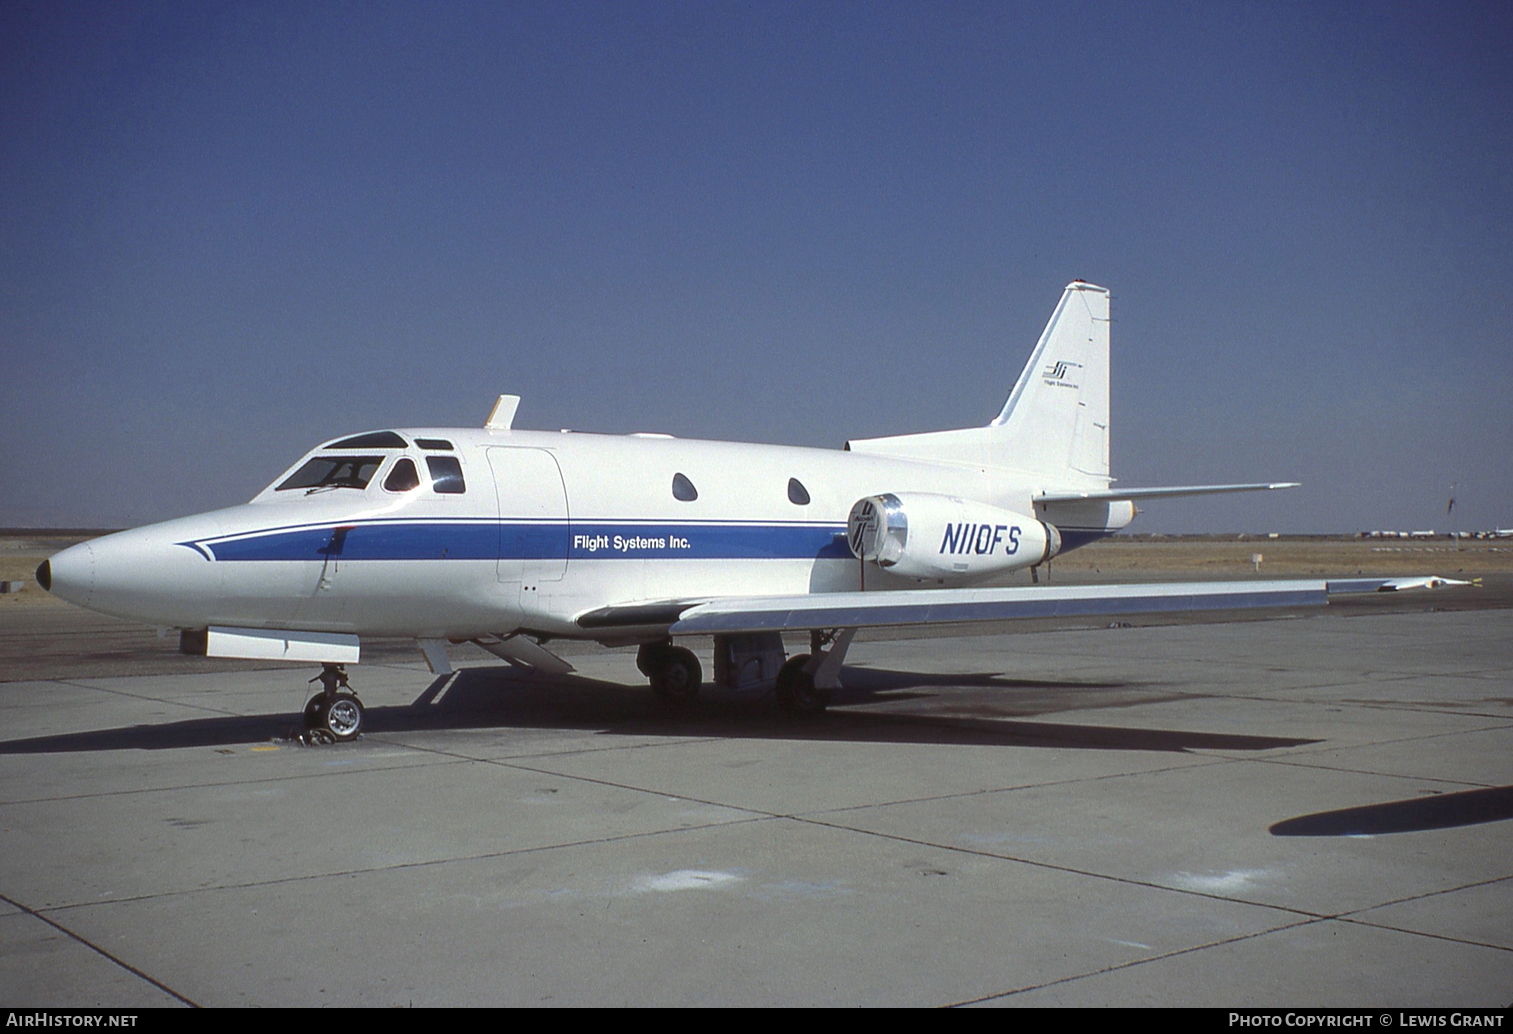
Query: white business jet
[[511, 538]]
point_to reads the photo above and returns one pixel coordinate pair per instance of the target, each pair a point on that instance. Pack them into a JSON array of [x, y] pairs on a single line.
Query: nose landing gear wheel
[[343, 718], [334, 721], [332, 716]]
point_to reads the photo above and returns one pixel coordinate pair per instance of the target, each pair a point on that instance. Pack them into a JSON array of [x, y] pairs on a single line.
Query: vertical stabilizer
[[1056, 419]]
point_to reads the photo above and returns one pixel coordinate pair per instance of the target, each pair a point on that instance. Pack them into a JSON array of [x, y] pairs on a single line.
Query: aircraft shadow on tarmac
[[975, 709], [1439, 811]]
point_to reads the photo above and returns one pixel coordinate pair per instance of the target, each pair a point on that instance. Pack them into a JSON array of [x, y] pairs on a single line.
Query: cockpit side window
[[333, 472], [446, 475], [404, 477]]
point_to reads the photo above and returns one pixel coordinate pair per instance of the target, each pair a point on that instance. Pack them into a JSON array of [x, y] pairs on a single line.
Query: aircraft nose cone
[[70, 575], [152, 574]]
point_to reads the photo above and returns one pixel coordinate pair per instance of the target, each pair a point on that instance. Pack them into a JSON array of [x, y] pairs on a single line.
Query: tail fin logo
[[1057, 371]]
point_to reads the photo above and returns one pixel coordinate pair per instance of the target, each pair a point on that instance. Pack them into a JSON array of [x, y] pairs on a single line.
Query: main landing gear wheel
[[796, 691], [675, 674]]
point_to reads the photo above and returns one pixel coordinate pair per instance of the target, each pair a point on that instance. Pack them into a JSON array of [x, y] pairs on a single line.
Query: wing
[[741, 614]]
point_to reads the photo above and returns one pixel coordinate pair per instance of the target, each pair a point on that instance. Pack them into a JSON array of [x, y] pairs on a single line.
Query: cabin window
[[373, 440], [446, 475], [683, 489], [333, 472], [404, 477], [798, 495], [434, 443]]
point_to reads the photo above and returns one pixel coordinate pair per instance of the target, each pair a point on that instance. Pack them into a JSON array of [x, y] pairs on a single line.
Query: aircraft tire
[[796, 692], [343, 719], [313, 717], [676, 676]]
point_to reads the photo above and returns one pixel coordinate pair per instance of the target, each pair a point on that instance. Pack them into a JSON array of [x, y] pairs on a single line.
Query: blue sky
[[230, 231]]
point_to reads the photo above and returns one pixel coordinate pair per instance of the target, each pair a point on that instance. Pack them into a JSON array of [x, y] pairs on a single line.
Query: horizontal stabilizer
[[1157, 493]]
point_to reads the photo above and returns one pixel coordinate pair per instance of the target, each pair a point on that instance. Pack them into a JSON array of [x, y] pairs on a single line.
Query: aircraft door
[[533, 518]]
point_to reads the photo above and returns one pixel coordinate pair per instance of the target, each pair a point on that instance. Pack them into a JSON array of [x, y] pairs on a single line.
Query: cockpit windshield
[[333, 472]]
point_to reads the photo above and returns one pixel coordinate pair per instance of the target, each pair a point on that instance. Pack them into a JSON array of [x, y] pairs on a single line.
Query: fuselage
[[469, 532]]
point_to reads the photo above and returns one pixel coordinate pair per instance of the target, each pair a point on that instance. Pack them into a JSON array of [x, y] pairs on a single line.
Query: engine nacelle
[[924, 535]]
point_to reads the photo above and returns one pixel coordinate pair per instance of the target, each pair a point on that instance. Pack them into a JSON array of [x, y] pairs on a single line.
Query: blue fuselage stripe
[[450, 540]]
